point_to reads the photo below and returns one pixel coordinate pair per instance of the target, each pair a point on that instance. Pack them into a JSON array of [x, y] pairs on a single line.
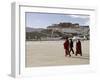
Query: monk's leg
[[80, 52], [66, 52], [72, 50], [69, 53], [76, 53]]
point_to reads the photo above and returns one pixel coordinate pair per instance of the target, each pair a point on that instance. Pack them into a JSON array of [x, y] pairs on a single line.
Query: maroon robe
[[78, 48], [66, 47]]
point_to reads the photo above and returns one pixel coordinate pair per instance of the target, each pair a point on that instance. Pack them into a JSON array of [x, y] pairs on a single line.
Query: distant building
[[76, 25], [64, 27], [69, 28]]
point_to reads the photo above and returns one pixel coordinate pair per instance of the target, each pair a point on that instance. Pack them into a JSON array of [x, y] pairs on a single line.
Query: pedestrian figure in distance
[[71, 46], [78, 48], [66, 47]]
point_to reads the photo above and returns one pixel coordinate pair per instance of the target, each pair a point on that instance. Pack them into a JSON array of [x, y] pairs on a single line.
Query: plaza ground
[[51, 53]]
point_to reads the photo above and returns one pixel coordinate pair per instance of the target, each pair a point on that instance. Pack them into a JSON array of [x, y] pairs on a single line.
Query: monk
[[66, 47], [78, 48], [71, 46]]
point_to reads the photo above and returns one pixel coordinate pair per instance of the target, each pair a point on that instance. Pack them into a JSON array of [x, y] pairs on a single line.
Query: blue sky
[[42, 20]]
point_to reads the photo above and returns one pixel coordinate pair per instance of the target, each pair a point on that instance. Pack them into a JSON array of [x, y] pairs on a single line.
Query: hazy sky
[[42, 20]]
